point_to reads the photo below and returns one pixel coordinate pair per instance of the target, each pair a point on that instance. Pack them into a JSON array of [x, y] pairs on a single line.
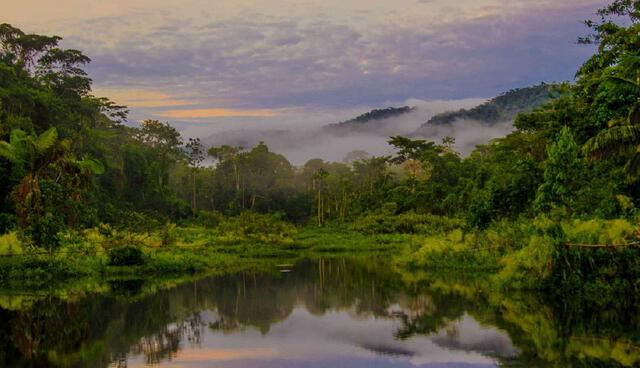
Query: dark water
[[321, 313]]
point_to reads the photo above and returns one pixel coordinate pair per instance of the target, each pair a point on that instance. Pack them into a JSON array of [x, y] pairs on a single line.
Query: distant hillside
[[502, 108], [360, 123]]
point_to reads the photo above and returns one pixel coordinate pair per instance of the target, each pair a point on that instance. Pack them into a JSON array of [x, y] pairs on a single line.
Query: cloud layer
[[195, 61]]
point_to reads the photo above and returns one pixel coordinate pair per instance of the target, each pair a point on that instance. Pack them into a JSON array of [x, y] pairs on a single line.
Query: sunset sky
[[190, 60]]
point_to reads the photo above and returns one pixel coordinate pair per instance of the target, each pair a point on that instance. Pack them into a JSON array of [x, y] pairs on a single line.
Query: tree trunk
[[193, 192]]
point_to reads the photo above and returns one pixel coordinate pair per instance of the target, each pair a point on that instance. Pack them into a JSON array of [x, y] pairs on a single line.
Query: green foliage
[[168, 236], [406, 223], [10, 244], [528, 267], [599, 232], [127, 255], [266, 228], [209, 219], [562, 169]]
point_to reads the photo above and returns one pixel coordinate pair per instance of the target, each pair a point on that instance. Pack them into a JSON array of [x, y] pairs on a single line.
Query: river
[[325, 312]]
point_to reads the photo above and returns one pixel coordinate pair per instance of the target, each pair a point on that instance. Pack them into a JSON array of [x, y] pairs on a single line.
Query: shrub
[[126, 256], [599, 231], [209, 219], [528, 267], [406, 223], [10, 244], [168, 235], [263, 227]]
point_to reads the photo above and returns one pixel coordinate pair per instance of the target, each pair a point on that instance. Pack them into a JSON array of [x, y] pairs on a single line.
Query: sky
[[207, 65]]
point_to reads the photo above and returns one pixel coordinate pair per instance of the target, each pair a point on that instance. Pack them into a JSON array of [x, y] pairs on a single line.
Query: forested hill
[[501, 108], [361, 121]]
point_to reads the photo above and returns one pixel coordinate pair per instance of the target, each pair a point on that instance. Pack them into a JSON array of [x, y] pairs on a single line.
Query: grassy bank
[[545, 253], [104, 252]]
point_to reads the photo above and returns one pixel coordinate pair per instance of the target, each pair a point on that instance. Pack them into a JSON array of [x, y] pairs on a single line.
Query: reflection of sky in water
[[339, 339]]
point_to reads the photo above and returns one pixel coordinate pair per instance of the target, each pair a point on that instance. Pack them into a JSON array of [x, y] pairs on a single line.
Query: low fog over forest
[[301, 137]]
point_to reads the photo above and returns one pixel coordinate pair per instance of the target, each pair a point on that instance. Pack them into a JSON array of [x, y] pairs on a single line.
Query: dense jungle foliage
[[73, 171]]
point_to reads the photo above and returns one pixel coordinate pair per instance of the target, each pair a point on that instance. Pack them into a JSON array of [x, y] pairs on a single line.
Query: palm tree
[[622, 136], [41, 156]]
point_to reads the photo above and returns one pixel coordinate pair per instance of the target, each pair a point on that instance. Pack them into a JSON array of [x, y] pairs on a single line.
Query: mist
[[303, 136]]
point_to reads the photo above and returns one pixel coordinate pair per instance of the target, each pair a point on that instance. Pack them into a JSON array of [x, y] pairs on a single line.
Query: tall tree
[[195, 153]]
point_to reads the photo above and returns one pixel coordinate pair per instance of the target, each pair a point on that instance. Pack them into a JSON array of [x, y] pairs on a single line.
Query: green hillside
[[373, 115], [501, 108]]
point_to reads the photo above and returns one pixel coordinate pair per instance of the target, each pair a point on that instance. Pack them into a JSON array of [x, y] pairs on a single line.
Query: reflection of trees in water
[[165, 343], [101, 329], [570, 332]]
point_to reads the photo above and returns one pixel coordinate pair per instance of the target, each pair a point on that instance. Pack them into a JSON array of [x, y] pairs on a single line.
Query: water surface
[[357, 312]]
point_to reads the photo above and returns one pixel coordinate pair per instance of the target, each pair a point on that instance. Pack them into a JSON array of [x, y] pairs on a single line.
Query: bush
[[209, 219], [268, 228], [126, 256], [10, 244], [168, 235], [406, 223]]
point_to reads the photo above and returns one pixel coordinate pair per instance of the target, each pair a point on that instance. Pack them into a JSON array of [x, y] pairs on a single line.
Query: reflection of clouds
[[466, 334], [204, 355], [312, 341]]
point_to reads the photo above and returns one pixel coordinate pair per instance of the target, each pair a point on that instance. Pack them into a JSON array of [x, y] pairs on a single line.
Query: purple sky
[[202, 61]]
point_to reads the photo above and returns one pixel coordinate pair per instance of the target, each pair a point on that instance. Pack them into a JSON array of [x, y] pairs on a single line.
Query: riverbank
[[596, 259], [194, 250], [591, 257]]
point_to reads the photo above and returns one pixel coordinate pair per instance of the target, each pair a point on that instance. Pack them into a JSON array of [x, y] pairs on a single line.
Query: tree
[[319, 178], [622, 136], [38, 159], [228, 153], [355, 155], [561, 172], [195, 153]]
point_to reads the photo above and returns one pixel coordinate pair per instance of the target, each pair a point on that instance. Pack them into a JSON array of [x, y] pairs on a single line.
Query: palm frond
[[17, 136], [632, 166], [618, 122], [634, 115], [6, 151], [46, 140], [616, 140], [622, 80], [93, 165]]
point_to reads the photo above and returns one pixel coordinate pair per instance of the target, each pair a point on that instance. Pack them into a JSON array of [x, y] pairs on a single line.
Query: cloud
[[256, 58], [210, 113], [259, 61], [140, 97]]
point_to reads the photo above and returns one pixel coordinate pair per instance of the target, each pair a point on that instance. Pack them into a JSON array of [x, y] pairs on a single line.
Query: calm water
[[321, 313]]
